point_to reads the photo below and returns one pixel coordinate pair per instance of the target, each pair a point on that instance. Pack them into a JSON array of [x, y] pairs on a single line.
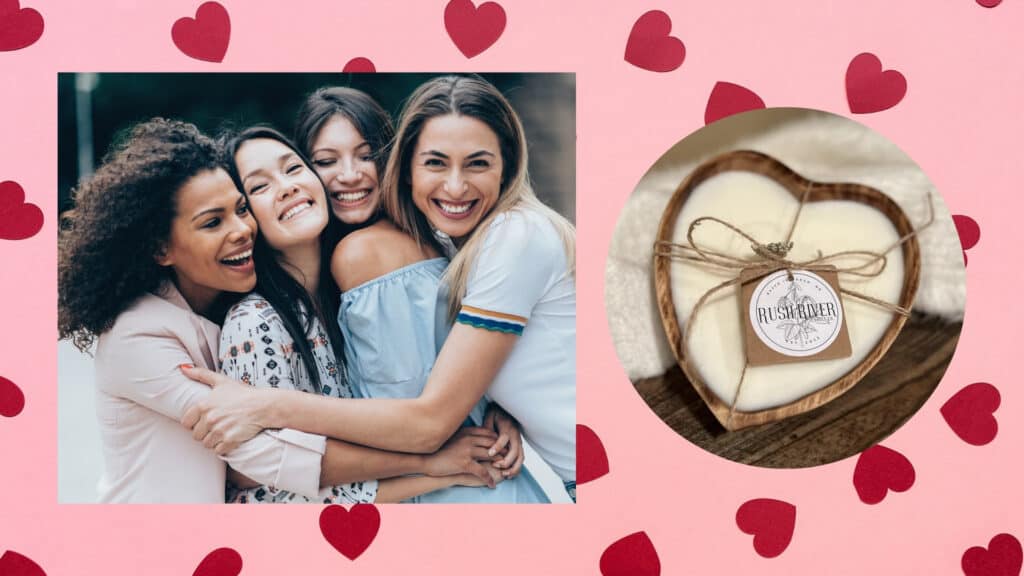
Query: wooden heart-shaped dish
[[731, 417]]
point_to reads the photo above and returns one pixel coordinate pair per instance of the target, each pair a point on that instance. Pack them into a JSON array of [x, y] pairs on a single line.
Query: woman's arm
[[519, 259], [398, 489], [342, 463], [461, 455], [468, 362]]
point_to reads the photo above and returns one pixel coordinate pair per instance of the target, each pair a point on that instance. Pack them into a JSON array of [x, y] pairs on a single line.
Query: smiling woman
[[184, 236]]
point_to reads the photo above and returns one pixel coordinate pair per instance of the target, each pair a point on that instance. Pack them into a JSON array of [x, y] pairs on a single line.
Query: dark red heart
[[989, 3], [473, 29], [970, 413], [18, 219], [12, 401], [206, 36], [880, 469], [350, 531], [591, 459], [771, 522], [651, 47], [633, 555], [869, 88], [19, 27], [969, 232], [220, 562], [14, 564], [359, 65], [1002, 558], [727, 99]]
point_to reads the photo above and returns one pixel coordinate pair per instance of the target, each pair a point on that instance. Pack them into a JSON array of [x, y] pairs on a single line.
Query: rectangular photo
[[316, 288]]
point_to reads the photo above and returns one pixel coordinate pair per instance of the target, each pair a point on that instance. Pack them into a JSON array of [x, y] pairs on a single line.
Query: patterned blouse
[[255, 347]]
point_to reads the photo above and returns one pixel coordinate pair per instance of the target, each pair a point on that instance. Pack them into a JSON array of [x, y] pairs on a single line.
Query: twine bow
[[773, 257]]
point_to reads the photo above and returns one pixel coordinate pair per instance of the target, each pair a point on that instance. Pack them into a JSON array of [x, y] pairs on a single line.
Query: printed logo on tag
[[791, 319]]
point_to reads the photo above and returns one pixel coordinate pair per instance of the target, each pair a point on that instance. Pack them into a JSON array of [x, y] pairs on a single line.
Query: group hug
[[362, 311]]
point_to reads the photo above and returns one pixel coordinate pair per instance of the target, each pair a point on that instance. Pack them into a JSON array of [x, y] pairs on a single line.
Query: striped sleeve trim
[[489, 320]]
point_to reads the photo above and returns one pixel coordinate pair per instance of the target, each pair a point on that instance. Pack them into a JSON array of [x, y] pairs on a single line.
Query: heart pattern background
[[960, 94]]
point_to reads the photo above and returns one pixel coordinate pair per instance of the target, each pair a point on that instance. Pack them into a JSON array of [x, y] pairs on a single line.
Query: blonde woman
[[457, 181]]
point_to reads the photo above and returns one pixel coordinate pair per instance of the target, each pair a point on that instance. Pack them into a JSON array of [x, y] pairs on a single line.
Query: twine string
[[772, 257]]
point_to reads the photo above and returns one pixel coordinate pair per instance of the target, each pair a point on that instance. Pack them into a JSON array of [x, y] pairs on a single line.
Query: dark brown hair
[[286, 294], [358, 107], [121, 220]]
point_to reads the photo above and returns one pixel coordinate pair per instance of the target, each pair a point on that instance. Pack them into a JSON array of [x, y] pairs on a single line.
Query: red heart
[[14, 564], [969, 232], [771, 522], [879, 470], [1002, 558], [19, 27], [359, 65], [591, 459], [969, 413], [651, 47], [206, 36], [350, 531], [869, 89], [727, 99], [633, 555], [18, 219], [989, 3], [473, 29], [12, 401], [220, 562]]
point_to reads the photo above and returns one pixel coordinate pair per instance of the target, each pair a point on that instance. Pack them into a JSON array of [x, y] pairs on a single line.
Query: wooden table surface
[[874, 408]]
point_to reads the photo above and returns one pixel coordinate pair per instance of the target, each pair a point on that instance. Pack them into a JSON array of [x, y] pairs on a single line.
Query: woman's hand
[[507, 452], [231, 414], [474, 481], [465, 452]]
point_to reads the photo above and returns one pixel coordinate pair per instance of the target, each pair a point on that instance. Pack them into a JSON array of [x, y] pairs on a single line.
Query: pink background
[[960, 121]]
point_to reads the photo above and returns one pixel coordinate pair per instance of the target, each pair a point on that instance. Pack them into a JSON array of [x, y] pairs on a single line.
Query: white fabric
[[819, 146], [521, 270]]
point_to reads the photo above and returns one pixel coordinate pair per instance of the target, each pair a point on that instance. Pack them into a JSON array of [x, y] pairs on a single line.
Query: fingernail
[[491, 452], [505, 473], [184, 366]]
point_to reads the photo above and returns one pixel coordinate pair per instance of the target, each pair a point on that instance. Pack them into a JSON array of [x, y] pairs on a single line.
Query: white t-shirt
[[520, 284]]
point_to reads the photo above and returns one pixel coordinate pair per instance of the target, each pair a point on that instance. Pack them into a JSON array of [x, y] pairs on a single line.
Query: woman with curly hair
[[159, 236]]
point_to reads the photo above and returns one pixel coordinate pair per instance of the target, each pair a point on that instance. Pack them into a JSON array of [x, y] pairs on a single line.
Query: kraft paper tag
[[792, 320]]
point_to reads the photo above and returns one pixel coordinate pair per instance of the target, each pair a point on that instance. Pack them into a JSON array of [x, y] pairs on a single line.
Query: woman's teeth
[[239, 259], [296, 210], [455, 208], [351, 196]]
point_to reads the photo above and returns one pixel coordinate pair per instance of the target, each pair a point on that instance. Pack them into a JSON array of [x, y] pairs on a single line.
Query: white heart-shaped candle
[[761, 197]]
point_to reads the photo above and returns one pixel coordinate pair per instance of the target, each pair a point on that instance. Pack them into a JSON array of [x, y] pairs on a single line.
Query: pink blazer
[[141, 396]]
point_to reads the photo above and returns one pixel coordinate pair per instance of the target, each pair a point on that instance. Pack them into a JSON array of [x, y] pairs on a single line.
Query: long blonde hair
[[476, 98]]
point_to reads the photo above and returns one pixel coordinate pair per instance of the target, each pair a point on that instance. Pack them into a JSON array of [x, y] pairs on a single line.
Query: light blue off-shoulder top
[[393, 328]]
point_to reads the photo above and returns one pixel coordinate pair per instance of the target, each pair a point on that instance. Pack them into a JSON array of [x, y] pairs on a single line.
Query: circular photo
[[785, 288]]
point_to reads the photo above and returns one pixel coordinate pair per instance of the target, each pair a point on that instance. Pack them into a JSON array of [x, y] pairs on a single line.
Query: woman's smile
[[296, 207], [344, 160], [285, 195], [456, 173]]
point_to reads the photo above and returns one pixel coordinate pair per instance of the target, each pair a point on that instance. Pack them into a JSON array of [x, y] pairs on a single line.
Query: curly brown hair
[[121, 220]]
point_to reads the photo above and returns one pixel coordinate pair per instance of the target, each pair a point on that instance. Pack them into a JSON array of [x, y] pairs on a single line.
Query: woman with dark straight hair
[[159, 235]]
